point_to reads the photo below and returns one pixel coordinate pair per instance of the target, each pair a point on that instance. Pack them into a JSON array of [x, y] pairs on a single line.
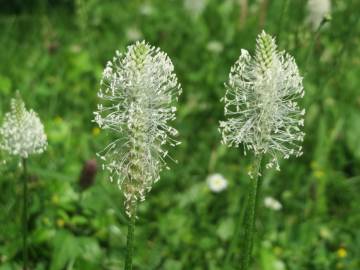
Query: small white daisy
[[272, 203], [216, 182]]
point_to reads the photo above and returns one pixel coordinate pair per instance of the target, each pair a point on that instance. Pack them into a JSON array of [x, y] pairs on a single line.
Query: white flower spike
[[138, 91], [22, 133], [261, 103]]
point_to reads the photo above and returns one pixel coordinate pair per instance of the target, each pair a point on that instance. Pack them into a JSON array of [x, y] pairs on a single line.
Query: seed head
[[137, 93], [88, 174], [22, 133], [260, 103]]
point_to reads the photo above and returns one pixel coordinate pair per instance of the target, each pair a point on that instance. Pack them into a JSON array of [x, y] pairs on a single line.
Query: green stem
[[130, 240], [24, 218], [251, 213], [240, 214], [313, 42], [282, 15]]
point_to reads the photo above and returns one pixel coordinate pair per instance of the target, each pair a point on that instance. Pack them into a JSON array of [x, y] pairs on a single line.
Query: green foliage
[[54, 53]]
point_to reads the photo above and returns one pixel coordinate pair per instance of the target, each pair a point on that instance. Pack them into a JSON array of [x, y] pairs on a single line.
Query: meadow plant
[[263, 115], [22, 134], [138, 91], [317, 12]]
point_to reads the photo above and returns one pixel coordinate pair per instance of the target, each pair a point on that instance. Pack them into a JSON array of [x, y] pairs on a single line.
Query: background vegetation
[[54, 53]]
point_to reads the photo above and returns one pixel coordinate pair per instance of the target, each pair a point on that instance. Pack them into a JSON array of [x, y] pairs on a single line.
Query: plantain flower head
[[22, 133], [137, 94], [261, 103]]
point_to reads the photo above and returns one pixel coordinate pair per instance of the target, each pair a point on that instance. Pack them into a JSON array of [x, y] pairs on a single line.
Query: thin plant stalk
[[315, 39], [232, 246], [243, 13], [263, 13], [130, 240], [251, 213], [282, 17], [24, 217]]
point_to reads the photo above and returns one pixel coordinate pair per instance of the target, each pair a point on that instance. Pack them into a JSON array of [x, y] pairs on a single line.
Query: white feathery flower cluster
[[261, 103], [22, 133], [137, 93], [317, 10]]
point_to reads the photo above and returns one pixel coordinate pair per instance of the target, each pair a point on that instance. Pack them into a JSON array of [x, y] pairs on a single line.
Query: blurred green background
[[54, 53]]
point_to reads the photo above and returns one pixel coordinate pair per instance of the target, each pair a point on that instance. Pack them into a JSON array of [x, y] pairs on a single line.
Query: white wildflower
[[133, 34], [279, 265], [216, 182], [317, 11], [195, 7], [146, 9], [215, 46], [138, 90], [272, 203], [22, 133], [260, 103]]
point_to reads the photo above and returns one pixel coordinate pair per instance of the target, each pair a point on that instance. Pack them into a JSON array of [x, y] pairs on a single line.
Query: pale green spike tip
[[265, 50], [140, 50], [18, 106]]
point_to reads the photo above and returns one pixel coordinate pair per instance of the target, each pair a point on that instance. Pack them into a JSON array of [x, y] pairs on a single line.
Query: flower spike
[[137, 93], [261, 103], [22, 133]]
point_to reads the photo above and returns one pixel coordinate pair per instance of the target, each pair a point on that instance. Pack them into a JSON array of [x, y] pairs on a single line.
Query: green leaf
[[66, 249], [353, 133], [226, 229]]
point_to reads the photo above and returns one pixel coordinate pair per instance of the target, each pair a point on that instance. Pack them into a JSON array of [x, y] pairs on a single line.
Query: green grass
[[54, 54]]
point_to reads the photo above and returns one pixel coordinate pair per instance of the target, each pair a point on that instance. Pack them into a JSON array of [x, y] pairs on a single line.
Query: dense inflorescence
[[137, 95], [261, 103], [22, 133]]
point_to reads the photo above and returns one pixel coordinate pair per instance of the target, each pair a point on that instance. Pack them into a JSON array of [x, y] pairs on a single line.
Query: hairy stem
[[130, 240], [24, 217], [251, 214]]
